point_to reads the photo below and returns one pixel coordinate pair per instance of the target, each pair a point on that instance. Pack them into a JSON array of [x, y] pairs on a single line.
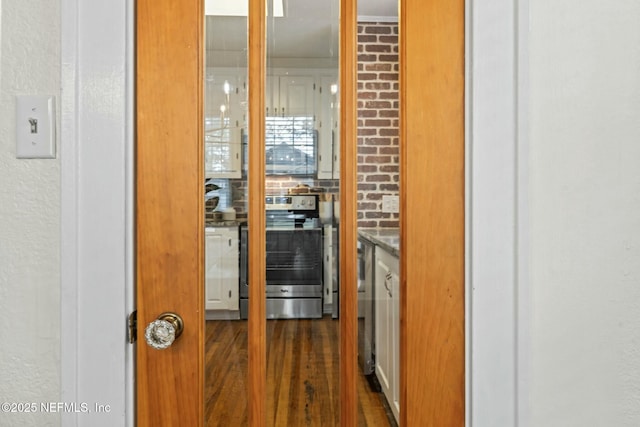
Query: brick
[[393, 58], [367, 151], [391, 113], [367, 95], [378, 178], [391, 169], [376, 85], [389, 187], [374, 196], [388, 76], [367, 38], [364, 57], [363, 131], [367, 76], [389, 224], [366, 187], [377, 66], [392, 40], [392, 131], [378, 104], [378, 30], [376, 48], [366, 224], [377, 159], [363, 206], [367, 168], [377, 141], [391, 151], [377, 123], [362, 113], [375, 214], [388, 95]]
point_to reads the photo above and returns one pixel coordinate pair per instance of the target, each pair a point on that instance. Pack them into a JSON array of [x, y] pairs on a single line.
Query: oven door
[[294, 257], [294, 273]]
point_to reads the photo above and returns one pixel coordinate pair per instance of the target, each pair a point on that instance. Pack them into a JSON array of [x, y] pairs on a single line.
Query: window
[[291, 144]]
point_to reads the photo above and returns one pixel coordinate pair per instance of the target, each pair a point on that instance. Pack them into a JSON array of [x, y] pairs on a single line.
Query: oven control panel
[[302, 203], [291, 202]]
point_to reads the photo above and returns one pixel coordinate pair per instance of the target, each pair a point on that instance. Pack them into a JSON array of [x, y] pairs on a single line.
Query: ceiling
[[308, 32]]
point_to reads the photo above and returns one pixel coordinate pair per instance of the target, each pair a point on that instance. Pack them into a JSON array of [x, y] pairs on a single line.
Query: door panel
[[432, 212], [169, 207]]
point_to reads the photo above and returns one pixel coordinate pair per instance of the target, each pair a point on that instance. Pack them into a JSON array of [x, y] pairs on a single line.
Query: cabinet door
[[223, 120], [387, 345], [324, 109], [272, 95], [383, 343], [328, 266], [335, 126], [221, 269], [395, 332], [296, 96]]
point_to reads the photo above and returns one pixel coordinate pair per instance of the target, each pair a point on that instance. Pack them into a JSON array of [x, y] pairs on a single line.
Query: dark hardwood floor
[[302, 376]]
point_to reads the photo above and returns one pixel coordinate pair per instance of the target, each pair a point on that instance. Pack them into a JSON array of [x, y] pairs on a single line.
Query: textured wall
[[585, 213], [378, 127], [30, 213]]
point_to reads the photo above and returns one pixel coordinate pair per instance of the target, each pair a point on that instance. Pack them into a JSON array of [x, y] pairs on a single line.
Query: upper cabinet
[[290, 95], [327, 123], [225, 113], [302, 116]]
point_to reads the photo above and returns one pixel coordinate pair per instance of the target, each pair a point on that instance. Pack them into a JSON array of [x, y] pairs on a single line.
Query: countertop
[[386, 238], [218, 224]]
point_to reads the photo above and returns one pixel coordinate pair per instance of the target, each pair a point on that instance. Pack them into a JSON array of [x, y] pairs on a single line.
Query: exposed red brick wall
[[378, 127]]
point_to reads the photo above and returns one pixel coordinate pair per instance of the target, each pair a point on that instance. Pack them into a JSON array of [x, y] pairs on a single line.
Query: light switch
[[390, 204], [35, 127]]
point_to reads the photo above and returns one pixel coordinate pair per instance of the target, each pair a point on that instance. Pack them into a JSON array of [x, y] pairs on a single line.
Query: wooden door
[[170, 225]]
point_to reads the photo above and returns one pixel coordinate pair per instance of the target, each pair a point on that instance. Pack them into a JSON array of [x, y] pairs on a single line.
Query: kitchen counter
[[218, 224], [386, 238]]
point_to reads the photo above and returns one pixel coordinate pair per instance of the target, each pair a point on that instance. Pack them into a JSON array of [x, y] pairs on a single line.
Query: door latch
[[132, 325]]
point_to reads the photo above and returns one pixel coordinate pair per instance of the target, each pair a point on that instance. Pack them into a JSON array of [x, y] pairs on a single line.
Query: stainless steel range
[[293, 259]]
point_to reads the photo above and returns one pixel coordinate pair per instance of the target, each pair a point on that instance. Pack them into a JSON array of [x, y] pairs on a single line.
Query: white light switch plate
[[35, 127], [390, 204]]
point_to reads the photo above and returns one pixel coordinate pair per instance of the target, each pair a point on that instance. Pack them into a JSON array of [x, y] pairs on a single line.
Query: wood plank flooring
[[302, 376]]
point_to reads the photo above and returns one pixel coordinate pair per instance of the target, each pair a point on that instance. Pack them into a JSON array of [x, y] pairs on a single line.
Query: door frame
[[97, 285]]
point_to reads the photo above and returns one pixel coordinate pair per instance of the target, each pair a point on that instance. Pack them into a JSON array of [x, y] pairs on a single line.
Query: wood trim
[[348, 213], [169, 207], [257, 351], [432, 212]]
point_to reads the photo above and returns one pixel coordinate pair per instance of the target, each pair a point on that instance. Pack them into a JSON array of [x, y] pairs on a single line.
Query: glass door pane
[[301, 234], [225, 115], [378, 221]]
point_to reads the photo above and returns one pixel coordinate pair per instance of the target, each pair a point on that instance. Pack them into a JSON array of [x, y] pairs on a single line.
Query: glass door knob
[[163, 331]]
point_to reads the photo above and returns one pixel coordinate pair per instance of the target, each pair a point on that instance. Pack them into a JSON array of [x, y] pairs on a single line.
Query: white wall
[[585, 213], [30, 218]]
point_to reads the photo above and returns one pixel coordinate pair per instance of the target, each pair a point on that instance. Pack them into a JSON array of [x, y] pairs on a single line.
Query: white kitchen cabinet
[[290, 95], [222, 268], [326, 104], [327, 265], [225, 110], [387, 326], [335, 143]]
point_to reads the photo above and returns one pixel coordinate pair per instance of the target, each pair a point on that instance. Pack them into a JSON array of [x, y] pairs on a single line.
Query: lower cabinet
[[222, 268], [327, 266], [387, 328]]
